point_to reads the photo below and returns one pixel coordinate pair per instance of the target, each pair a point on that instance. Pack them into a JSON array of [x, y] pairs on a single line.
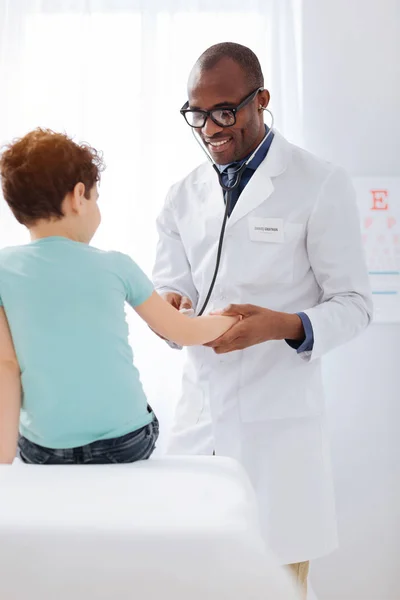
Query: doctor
[[292, 265]]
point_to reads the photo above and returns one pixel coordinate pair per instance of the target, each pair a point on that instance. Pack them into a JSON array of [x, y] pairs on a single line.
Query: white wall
[[352, 117], [351, 75]]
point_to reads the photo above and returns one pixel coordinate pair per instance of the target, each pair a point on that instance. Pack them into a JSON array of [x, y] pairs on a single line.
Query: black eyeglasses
[[222, 116]]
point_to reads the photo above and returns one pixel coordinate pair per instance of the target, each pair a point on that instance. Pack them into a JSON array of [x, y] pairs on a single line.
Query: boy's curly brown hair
[[38, 170]]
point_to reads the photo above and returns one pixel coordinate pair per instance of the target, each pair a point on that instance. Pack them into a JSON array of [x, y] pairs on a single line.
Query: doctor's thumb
[[185, 303], [233, 310]]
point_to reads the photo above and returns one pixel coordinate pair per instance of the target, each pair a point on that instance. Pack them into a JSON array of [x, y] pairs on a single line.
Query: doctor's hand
[[257, 325], [177, 301]]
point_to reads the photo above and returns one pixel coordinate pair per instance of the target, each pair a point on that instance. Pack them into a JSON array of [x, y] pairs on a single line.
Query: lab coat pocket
[[277, 384], [271, 260]]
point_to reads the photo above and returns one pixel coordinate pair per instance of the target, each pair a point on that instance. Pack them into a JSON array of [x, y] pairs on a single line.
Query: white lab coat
[[264, 405]]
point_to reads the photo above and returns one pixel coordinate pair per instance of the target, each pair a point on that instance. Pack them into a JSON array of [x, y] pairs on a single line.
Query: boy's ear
[[78, 197]]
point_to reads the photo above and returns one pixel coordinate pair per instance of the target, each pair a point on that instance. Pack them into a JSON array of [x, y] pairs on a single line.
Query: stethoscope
[[228, 189]]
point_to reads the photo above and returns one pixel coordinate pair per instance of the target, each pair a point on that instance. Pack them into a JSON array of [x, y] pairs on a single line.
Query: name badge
[[266, 230]]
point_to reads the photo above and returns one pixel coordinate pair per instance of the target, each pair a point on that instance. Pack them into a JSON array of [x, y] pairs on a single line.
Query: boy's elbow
[[183, 341]]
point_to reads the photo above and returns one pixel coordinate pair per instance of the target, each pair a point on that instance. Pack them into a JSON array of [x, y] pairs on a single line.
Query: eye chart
[[379, 204]]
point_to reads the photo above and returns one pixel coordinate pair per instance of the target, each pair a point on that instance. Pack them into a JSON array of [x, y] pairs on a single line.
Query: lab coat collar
[[259, 188]]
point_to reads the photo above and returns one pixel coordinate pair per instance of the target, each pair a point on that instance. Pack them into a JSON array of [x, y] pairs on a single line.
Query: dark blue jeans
[[138, 445]]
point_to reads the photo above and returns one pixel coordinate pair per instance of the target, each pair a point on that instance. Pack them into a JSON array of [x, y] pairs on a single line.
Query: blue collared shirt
[[307, 344]]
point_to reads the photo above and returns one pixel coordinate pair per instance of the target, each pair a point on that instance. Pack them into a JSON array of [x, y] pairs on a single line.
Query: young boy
[[67, 378]]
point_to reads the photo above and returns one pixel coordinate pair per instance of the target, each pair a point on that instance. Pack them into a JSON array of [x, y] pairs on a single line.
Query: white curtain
[[113, 73]]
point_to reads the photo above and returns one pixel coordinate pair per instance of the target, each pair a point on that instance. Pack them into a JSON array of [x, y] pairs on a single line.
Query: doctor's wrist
[[290, 327]]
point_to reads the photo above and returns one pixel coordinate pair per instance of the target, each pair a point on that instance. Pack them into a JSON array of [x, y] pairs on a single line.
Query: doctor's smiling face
[[227, 84]]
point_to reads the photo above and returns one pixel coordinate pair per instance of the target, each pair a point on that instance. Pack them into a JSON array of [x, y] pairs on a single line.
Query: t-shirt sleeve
[[138, 286]]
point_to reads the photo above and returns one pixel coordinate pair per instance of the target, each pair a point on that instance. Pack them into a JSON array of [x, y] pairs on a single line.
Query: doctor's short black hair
[[242, 55]]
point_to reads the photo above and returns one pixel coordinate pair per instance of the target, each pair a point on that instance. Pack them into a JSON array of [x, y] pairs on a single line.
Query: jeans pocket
[[133, 447], [31, 453]]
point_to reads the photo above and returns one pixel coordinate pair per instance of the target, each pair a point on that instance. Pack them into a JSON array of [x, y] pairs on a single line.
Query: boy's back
[[64, 302], [63, 331]]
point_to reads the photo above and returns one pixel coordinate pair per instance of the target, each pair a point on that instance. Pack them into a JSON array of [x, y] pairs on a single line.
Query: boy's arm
[[161, 317], [173, 325], [10, 393]]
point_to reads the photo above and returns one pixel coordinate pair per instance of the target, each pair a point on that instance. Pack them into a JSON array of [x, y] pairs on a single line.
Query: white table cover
[[174, 529]]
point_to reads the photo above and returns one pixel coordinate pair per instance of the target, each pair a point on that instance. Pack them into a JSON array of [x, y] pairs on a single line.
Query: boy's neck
[[46, 229]]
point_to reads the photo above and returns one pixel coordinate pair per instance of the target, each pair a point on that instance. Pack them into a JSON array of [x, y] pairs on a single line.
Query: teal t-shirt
[[65, 304]]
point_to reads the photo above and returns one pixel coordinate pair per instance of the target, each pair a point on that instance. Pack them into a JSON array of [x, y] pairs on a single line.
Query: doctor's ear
[[263, 99]]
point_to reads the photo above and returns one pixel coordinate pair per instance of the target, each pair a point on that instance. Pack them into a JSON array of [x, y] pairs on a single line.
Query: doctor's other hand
[[257, 325], [177, 301]]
